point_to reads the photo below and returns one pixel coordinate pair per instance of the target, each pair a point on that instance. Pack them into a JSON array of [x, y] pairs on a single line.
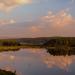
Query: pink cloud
[[60, 19], [5, 22], [7, 5]]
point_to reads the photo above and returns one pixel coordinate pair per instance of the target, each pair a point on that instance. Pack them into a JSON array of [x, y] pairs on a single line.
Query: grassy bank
[[15, 48], [9, 48]]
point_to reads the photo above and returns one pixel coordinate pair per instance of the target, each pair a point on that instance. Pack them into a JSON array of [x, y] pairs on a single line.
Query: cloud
[[53, 24], [5, 22], [60, 23], [34, 29], [72, 1], [7, 5], [60, 19]]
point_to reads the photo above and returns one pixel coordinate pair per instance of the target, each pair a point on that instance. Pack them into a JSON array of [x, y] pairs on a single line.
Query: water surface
[[31, 61]]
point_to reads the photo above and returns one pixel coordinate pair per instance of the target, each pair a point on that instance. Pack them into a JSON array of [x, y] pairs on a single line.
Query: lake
[[35, 61]]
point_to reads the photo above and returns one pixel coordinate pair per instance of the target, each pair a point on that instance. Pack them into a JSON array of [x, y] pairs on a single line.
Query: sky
[[37, 18]]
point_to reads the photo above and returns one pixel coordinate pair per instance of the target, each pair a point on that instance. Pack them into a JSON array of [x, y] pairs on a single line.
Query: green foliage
[[9, 42], [60, 41]]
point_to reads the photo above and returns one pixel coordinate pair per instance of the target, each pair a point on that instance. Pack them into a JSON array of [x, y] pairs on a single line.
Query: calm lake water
[[32, 61]]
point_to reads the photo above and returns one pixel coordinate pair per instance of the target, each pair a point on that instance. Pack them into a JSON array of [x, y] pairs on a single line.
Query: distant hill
[[41, 41]]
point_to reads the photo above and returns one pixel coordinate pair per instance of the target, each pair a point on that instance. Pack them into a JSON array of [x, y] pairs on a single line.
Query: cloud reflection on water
[[31, 61]]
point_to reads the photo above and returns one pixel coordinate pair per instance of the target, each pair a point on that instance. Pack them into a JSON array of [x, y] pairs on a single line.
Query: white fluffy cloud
[[61, 23], [60, 19], [52, 24], [7, 5]]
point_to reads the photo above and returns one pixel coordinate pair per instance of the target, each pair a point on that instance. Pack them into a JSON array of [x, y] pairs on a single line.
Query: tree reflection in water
[[59, 61], [61, 51]]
